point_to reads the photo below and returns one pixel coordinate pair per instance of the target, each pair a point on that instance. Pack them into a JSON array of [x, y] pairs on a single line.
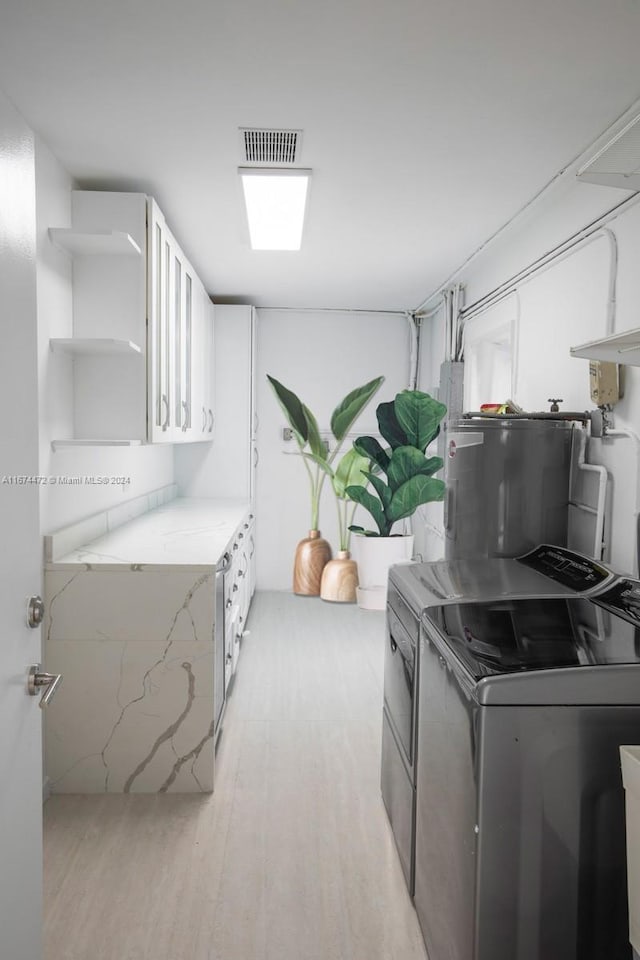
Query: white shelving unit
[[109, 242], [618, 348], [93, 346]]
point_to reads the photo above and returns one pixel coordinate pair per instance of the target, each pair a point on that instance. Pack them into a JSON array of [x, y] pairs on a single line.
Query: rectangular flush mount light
[[275, 200]]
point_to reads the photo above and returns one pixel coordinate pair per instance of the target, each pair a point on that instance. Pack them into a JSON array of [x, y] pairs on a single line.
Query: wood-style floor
[[291, 858]]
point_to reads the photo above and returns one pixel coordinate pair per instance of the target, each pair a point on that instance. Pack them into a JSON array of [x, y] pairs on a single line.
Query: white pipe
[[594, 226], [413, 351], [515, 347], [613, 278], [630, 435], [603, 476], [587, 236]]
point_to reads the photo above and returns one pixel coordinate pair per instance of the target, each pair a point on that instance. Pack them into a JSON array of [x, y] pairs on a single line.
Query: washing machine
[[528, 681]]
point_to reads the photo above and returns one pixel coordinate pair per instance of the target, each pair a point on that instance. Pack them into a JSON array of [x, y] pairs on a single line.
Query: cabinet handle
[[185, 407], [210, 420], [166, 403], [37, 679], [256, 456]]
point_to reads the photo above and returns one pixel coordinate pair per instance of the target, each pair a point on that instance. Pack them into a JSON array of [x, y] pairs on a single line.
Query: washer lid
[[568, 650], [451, 581]]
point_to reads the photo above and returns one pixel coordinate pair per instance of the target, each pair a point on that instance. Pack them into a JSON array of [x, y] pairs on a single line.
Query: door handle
[[165, 401], [37, 678]]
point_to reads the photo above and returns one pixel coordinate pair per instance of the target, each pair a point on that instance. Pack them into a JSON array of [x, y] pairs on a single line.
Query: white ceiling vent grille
[[272, 147], [617, 164]]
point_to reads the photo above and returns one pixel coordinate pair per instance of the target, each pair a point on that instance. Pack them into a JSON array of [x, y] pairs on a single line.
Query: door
[[20, 569]]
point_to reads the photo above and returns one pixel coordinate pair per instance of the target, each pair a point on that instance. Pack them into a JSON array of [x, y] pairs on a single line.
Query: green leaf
[[411, 494], [419, 415], [369, 502], [366, 533], [384, 492], [433, 464], [293, 410], [370, 448], [349, 472], [313, 434], [319, 462], [407, 462], [350, 408], [390, 426]]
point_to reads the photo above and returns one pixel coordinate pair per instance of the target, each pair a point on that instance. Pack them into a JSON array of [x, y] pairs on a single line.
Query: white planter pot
[[374, 556]]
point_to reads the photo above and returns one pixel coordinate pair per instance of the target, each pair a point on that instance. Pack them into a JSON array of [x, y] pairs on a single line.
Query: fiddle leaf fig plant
[[316, 457], [402, 474]]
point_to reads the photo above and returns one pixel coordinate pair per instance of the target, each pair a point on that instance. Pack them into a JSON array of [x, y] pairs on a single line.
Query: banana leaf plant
[[351, 471], [316, 457], [401, 474]]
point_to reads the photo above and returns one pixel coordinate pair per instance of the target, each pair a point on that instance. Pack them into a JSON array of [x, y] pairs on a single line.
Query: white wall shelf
[[60, 444], [110, 242], [618, 348], [94, 346]]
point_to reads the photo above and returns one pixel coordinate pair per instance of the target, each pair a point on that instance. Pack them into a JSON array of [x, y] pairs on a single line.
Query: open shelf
[[59, 444], [618, 348], [111, 242], [94, 346]]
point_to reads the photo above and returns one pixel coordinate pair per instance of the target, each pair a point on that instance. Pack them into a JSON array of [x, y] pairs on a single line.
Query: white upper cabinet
[[235, 431], [139, 347], [202, 386]]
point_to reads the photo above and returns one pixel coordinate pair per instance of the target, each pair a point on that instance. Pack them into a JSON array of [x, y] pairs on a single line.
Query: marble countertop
[[183, 532]]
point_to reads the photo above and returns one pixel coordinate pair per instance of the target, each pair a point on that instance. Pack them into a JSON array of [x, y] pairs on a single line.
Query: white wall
[[321, 356], [147, 467], [561, 307]]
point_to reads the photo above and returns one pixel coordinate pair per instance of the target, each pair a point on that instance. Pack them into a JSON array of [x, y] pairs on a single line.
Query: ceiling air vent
[[272, 147], [617, 164]]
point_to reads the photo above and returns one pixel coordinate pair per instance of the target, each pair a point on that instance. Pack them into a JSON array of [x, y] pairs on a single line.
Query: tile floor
[[291, 858]]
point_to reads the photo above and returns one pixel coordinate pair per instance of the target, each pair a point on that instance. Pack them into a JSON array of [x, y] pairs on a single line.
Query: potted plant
[[313, 552], [401, 476]]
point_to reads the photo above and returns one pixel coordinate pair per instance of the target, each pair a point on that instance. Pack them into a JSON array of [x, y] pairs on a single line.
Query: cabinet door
[[160, 326], [184, 323], [251, 556], [201, 426], [174, 306], [209, 367]]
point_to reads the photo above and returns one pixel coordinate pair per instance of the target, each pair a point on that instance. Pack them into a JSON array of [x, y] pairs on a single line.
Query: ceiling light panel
[[275, 201]]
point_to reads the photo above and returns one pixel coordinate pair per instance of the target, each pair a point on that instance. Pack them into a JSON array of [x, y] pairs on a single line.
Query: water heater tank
[[507, 486]]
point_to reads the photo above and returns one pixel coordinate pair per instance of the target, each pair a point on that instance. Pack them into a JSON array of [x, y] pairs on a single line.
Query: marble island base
[[136, 650]]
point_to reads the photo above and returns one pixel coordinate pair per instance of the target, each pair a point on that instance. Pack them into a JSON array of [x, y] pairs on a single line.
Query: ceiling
[[427, 124]]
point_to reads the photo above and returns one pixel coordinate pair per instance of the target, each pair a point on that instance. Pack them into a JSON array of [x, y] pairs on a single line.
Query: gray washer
[[519, 838]]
